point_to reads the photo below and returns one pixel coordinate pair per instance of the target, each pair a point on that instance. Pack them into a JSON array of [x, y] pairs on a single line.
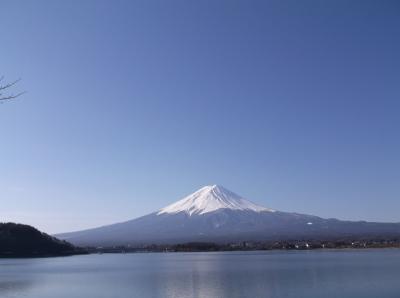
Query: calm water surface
[[311, 274]]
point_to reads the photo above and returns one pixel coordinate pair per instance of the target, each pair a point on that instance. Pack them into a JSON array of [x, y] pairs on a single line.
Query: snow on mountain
[[211, 198], [215, 214]]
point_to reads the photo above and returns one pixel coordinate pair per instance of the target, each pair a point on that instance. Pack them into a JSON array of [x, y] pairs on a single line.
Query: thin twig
[[6, 86]]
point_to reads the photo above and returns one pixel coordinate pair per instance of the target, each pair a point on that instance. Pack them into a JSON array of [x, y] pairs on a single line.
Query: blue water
[[308, 274]]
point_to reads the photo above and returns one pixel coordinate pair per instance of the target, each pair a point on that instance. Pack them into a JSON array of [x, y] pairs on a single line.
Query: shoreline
[[212, 247]]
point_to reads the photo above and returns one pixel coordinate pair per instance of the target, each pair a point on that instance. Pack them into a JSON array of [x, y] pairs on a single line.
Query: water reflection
[[200, 279], [14, 288], [354, 274], [15, 277]]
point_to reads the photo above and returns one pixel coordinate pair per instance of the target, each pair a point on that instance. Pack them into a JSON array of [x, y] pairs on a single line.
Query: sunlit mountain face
[[216, 214]]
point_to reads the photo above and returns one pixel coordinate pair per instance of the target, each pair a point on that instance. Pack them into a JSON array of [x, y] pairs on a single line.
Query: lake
[[297, 274]]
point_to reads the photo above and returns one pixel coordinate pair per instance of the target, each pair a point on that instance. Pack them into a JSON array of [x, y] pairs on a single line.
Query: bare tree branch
[[4, 96]]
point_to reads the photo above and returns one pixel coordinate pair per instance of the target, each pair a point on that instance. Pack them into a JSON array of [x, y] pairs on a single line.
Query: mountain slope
[[216, 214], [17, 240]]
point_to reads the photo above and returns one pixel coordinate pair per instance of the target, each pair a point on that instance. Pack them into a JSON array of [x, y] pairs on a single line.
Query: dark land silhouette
[[18, 240]]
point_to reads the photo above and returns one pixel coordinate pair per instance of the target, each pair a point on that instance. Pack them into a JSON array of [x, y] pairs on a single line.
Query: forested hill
[[18, 240]]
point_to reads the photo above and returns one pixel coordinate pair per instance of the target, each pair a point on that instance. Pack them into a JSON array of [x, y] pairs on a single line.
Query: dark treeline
[[17, 240], [249, 246]]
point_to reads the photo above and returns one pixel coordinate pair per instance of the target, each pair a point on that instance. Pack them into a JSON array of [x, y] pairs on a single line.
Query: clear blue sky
[[133, 104]]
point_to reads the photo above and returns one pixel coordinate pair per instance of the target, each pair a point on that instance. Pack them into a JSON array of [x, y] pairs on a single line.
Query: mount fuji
[[215, 214]]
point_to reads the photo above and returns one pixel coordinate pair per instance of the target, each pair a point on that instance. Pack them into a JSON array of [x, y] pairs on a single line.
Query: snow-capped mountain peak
[[211, 198], [234, 220]]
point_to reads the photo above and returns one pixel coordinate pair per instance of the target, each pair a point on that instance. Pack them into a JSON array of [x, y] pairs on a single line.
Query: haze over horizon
[[134, 105]]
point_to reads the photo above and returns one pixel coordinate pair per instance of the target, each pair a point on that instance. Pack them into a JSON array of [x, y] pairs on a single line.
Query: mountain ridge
[[19, 240], [216, 214]]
